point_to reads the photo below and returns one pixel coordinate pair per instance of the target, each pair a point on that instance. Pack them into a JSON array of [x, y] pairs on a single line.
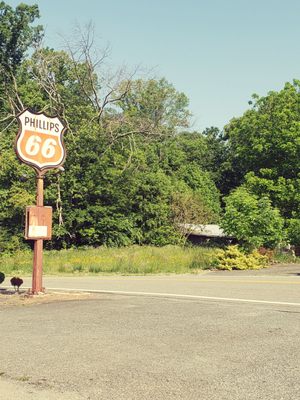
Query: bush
[[2, 277], [233, 258]]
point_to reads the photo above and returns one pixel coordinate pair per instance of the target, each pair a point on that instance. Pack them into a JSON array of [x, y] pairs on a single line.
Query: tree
[[203, 186], [17, 35], [157, 104], [293, 231], [266, 137], [216, 156], [283, 192], [124, 145], [252, 220], [189, 209]]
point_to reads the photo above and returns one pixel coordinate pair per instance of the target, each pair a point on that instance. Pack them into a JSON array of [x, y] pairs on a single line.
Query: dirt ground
[[9, 298]]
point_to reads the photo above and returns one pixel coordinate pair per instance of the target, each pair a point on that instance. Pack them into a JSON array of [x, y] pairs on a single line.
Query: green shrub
[[233, 258], [2, 277]]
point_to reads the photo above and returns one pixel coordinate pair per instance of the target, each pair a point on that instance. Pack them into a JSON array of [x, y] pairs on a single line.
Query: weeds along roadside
[[104, 260], [133, 260]]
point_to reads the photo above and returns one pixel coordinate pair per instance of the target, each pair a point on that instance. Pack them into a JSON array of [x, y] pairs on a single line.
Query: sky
[[218, 52]]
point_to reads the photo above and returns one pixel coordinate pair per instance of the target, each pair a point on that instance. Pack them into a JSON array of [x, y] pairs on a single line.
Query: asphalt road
[[214, 336], [279, 284]]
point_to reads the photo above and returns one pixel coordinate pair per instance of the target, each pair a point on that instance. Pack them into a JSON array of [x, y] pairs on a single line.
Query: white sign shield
[[40, 140]]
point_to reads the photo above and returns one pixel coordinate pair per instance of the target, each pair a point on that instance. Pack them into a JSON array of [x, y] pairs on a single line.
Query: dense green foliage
[[293, 231], [16, 33], [263, 148], [130, 161], [135, 173], [252, 220], [270, 129]]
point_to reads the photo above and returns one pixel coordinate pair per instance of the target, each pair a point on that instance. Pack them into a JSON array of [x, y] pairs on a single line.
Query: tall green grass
[[127, 260]]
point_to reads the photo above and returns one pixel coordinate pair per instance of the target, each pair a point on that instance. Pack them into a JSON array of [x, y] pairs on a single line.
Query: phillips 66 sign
[[40, 140]]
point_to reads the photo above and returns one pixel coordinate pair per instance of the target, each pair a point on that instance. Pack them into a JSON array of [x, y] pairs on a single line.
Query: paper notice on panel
[[37, 231]]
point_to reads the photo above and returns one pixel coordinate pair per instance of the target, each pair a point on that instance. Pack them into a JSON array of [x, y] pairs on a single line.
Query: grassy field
[[128, 260]]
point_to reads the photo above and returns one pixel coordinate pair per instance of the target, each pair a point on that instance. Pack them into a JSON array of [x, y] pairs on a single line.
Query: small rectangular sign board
[[38, 224]]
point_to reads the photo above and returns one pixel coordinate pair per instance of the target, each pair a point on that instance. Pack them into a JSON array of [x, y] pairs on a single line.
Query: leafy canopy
[[252, 220]]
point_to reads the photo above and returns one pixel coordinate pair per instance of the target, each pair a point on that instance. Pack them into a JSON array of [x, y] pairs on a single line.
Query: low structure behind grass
[[127, 260]]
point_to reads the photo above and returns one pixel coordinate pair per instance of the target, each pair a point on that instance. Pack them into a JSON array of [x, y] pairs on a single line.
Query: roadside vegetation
[[104, 260], [139, 260]]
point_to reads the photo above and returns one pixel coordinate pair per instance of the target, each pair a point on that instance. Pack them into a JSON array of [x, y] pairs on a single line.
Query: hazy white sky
[[218, 52]]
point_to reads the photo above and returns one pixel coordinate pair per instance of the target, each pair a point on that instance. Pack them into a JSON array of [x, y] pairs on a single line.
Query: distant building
[[207, 234]]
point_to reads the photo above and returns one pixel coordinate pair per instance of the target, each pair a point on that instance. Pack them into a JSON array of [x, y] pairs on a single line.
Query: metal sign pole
[[37, 272]]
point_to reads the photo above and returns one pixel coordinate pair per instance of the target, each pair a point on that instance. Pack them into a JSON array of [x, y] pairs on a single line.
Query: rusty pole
[[37, 272]]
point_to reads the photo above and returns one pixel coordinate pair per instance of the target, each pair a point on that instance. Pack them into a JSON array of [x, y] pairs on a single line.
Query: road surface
[[213, 336]]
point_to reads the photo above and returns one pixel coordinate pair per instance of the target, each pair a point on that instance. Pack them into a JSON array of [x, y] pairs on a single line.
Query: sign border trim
[[40, 170]]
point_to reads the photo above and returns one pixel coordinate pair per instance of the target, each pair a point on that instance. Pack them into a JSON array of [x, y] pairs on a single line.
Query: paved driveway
[[279, 284]]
